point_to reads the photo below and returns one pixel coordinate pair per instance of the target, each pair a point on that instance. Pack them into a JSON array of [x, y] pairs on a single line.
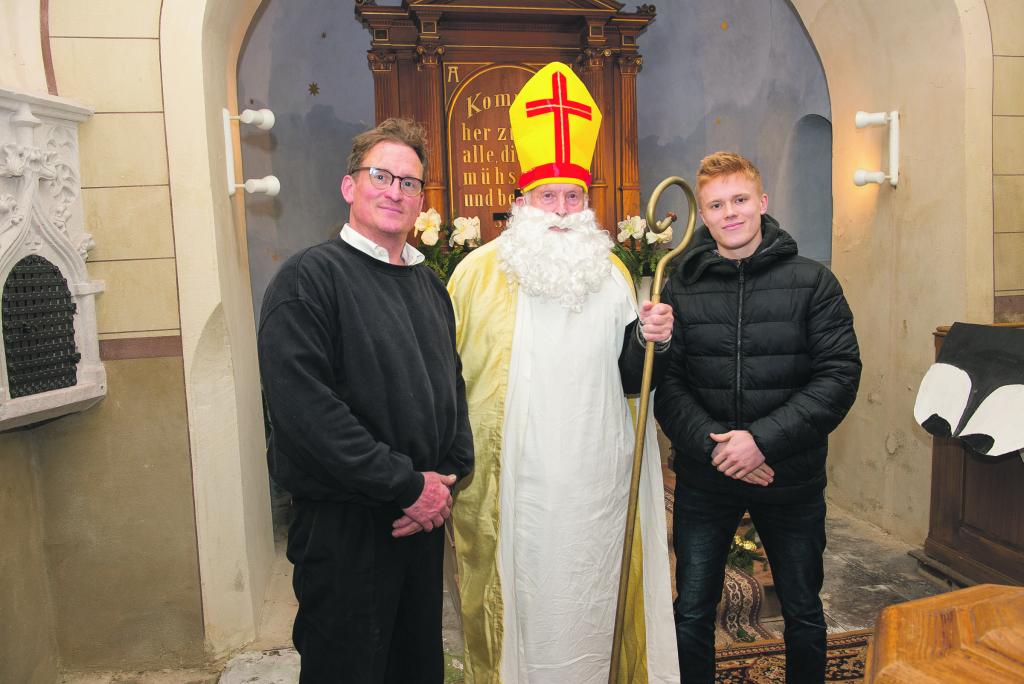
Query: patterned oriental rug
[[738, 618], [764, 662]]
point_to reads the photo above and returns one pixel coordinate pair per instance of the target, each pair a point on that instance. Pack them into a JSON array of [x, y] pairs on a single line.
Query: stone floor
[[865, 570]]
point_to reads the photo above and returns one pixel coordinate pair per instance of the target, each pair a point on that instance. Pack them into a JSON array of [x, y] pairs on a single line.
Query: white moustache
[[532, 218]]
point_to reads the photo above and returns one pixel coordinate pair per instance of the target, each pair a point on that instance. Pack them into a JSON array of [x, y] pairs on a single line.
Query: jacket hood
[[703, 252]]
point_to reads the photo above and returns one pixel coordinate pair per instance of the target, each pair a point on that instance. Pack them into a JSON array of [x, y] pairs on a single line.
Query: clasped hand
[[430, 510], [656, 321], [737, 455]]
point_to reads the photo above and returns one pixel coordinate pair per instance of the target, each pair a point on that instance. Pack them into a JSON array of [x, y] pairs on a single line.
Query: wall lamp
[[892, 119], [264, 120]]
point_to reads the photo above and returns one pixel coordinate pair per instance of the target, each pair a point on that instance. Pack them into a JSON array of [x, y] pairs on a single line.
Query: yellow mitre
[[555, 123]]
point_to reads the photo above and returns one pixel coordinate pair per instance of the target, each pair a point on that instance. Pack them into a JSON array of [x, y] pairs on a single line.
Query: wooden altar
[[976, 523], [455, 66], [971, 635]]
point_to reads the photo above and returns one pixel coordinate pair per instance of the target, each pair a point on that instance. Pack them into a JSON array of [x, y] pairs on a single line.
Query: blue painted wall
[[718, 74], [741, 76], [291, 45]]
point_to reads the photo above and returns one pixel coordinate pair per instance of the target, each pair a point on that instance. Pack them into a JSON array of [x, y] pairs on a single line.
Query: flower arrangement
[[446, 244], [639, 247], [743, 551]]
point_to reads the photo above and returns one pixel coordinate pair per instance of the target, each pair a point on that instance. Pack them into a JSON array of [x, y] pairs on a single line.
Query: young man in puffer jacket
[[764, 365]]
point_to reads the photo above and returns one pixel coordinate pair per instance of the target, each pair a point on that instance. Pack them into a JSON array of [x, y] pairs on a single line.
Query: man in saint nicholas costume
[[551, 340]]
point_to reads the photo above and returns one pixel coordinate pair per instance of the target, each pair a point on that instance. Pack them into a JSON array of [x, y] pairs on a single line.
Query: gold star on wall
[[314, 89]]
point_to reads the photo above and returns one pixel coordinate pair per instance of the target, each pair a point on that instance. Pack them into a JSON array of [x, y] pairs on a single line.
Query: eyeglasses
[[573, 199], [382, 180]]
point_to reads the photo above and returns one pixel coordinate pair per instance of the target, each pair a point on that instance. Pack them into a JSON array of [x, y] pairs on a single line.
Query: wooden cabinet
[[976, 525]]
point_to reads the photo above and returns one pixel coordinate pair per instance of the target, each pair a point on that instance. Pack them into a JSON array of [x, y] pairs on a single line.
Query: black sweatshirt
[[362, 381]]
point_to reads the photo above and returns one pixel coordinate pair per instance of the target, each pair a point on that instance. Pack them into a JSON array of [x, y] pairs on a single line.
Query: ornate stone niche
[[49, 350]]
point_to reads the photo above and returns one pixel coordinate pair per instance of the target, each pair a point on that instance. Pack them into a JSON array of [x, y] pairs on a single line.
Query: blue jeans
[[793, 534]]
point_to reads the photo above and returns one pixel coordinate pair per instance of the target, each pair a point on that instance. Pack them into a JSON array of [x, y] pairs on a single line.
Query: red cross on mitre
[[562, 108]]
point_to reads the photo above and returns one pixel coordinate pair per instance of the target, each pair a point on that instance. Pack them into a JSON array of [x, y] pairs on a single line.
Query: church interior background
[[136, 533]]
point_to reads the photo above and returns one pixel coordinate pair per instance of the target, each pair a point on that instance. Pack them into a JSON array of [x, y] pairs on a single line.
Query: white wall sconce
[[264, 120], [862, 177]]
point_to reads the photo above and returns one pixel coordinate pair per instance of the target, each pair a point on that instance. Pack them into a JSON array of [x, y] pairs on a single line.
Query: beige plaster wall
[[106, 547], [184, 432], [124, 158], [120, 525], [28, 648], [21, 59], [147, 175], [116, 490], [909, 258], [1007, 21]]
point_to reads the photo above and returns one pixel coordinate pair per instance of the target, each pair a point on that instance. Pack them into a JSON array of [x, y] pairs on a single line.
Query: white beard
[[566, 266]]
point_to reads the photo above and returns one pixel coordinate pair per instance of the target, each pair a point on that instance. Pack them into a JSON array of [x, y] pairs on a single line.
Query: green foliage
[[441, 257], [639, 257], [744, 635]]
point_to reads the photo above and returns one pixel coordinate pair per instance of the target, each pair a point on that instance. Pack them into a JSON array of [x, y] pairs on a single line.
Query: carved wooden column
[[385, 83], [592, 72], [628, 200], [428, 64]]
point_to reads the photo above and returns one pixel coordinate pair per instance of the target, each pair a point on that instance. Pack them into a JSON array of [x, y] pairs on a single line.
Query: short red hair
[[721, 164]]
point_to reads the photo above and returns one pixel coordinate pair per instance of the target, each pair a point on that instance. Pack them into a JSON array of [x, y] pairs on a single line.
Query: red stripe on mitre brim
[[554, 173]]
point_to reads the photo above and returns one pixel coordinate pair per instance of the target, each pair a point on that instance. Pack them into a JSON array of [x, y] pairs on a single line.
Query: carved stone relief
[[41, 217]]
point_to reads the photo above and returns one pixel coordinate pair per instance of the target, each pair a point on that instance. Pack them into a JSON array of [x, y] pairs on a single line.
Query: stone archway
[[200, 41]]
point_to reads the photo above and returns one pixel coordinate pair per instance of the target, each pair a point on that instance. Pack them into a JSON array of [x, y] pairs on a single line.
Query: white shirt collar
[[410, 255]]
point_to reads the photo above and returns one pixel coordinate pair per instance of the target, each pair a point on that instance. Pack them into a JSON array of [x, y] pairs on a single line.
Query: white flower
[[429, 224], [653, 238], [429, 237], [631, 227], [428, 221], [466, 230]]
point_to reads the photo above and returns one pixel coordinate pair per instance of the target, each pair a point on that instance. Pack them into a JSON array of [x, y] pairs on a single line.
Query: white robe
[[567, 454]]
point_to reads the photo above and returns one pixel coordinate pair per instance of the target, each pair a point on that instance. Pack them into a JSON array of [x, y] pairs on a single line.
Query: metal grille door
[[39, 328]]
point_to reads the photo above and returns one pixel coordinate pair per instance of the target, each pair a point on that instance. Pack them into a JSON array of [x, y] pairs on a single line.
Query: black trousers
[[369, 604], [793, 535]]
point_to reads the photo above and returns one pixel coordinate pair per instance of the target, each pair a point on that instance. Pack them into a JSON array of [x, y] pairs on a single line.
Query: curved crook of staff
[[645, 392]]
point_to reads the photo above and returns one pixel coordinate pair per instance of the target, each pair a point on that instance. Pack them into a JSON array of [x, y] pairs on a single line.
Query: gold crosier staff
[[645, 391]]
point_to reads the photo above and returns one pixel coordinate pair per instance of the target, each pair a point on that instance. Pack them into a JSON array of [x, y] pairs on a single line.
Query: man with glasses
[[369, 426], [552, 338]]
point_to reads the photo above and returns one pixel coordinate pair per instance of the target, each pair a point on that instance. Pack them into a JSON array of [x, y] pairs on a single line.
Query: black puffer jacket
[[766, 345]]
